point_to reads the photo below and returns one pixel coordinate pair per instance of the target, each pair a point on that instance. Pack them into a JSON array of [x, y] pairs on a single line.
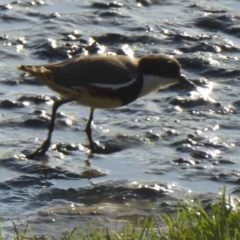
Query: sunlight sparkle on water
[[203, 92], [69, 122], [53, 42], [127, 50]]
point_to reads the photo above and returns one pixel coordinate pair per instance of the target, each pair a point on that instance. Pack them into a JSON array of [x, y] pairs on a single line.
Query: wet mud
[[155, 150]]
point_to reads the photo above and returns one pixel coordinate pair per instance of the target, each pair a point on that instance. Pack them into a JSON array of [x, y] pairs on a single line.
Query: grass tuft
[[217, 221]]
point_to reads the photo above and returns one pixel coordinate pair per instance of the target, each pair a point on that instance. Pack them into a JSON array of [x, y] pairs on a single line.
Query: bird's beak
[[187, 83]]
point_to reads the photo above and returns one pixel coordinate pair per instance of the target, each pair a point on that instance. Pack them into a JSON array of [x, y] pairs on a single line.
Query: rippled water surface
[[162, 145]]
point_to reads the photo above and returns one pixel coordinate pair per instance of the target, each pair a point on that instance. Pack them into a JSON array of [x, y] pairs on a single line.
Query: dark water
[[165, 145]]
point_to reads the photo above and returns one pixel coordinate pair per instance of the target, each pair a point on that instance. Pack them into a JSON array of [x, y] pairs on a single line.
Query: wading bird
[[105, 82]]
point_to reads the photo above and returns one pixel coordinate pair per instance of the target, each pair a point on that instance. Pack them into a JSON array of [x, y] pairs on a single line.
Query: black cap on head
[[161, 65]]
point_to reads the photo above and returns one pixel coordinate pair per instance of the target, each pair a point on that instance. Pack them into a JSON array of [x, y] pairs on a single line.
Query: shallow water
[[163, 145]]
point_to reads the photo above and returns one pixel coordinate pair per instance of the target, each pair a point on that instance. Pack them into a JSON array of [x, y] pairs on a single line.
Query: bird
[[103, 82]]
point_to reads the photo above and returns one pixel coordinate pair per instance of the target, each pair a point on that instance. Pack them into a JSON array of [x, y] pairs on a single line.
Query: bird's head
[[165, 68]]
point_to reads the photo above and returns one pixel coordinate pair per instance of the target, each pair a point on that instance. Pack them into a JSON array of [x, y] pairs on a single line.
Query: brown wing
[[83, 71]]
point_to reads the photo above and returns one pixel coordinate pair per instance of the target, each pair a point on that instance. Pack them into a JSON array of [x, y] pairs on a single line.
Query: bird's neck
[[152, 83]]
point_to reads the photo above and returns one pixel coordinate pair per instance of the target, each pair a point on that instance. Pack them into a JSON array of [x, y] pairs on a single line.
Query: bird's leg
[[88, 130], [46, 144]]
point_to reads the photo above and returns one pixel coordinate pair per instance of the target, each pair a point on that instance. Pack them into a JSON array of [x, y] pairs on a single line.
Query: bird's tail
[[40, 72]]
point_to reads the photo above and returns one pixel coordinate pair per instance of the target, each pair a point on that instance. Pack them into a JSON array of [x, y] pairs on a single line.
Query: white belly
[[99, 102], [85, 98]]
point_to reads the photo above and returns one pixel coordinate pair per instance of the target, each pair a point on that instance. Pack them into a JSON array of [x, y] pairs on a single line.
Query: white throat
[[152, 83]]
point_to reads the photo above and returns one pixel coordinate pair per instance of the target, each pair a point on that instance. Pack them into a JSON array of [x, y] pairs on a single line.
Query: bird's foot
[[96, 148], [104, 149], [40, 151]]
